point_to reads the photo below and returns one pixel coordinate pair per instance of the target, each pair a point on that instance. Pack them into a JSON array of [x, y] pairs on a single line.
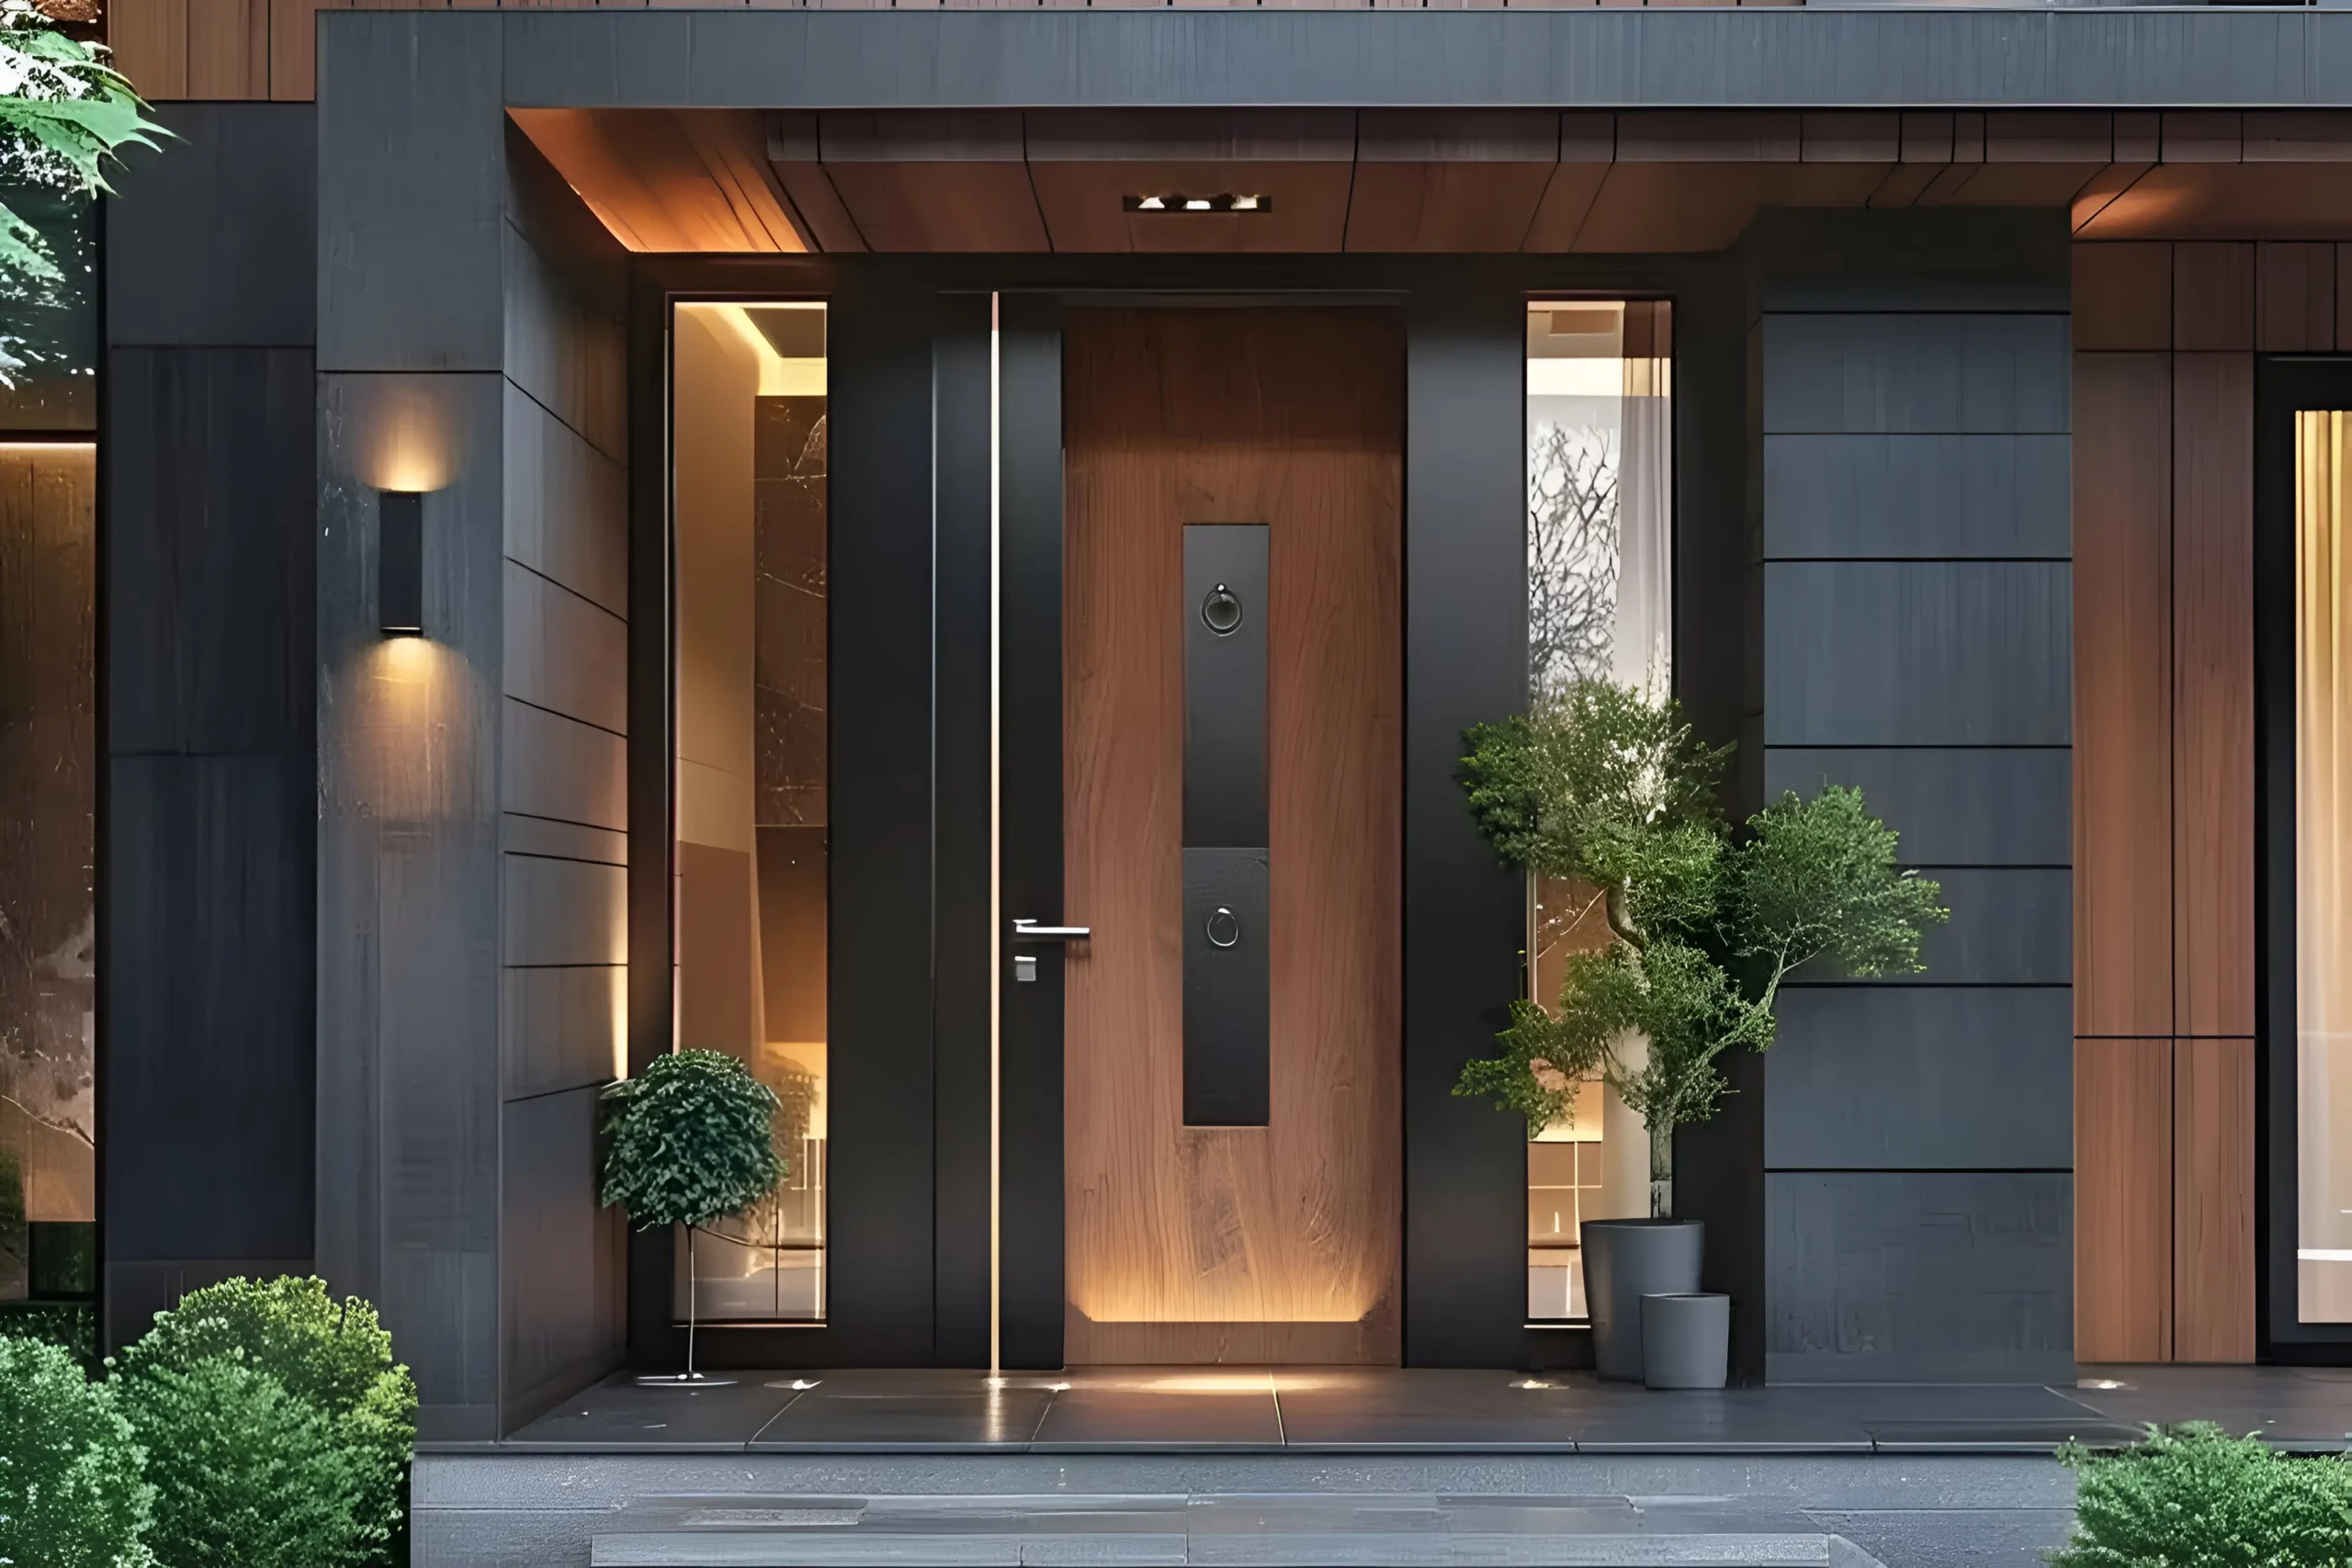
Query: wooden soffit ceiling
[[1502, 180]]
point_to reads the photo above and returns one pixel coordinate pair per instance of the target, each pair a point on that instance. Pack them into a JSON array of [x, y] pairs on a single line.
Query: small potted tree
[[1605, 787], [691, 1139]]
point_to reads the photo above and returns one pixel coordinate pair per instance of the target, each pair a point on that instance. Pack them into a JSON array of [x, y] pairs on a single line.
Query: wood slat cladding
[[2123, 1201], [2212, 648], [2123, 744], [661, 180], [1452, 180], [1241, 1245], [2213, 1186], [2164, 916]]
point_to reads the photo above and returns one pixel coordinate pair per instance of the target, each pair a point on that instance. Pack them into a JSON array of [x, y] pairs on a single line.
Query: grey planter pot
[[1686, 1341], [1623, 1261]]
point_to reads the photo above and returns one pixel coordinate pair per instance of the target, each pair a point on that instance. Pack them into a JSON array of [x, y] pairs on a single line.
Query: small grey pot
[[1623, 1261], [1686, 1339]]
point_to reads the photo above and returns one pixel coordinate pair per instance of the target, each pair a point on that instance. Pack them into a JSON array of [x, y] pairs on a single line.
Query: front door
[[1232, 697]]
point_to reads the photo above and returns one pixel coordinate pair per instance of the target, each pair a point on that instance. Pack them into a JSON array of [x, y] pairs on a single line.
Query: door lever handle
[[1030, 930]]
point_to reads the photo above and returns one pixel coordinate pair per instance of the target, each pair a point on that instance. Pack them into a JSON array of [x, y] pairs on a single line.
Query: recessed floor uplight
[[1173, 201]]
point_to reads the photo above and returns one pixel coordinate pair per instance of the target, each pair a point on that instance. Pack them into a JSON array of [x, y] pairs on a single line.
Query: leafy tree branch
[[1605, 786], [64, 114]]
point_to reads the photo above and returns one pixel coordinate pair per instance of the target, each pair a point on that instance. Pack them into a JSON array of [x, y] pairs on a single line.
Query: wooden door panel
[[1249, 1244]]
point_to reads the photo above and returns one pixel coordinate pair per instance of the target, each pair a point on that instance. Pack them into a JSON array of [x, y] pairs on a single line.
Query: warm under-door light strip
[[996, 857]]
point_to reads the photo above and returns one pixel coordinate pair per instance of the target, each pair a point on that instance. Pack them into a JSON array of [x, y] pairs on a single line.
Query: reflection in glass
[[2323, 867], [48, 978], [1600, 604], [749, 505]]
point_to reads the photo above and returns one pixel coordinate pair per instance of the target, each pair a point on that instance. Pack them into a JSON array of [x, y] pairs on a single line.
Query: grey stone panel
[[213, 240], [564, 911], [1924, 1078], [1917, 653], [566, 342], [559, 768], [519, 835], [2009, 926], [408, 918], [1890, 58], [1953, 806], [561, 1028], [1971, 259], [1924, 374], [567, 505], [207, 989], [411, 191], [1919, 1276], [562, 1256], [1892, 497], [210, 510], [565, 653]]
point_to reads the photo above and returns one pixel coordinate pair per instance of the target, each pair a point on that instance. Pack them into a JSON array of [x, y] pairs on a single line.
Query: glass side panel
[[2323, 867], [47, 794], [748, 446], [1600, 604]]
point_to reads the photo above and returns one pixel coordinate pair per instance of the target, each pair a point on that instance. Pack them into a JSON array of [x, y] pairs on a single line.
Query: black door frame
[[910, 974], [2281, 386]]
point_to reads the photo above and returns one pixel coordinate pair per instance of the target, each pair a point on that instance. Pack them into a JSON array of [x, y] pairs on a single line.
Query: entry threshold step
[[1313, 1531]]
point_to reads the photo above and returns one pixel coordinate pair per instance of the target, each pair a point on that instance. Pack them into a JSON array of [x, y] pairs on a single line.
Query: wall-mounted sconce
[[399, 562], [1226, 202]]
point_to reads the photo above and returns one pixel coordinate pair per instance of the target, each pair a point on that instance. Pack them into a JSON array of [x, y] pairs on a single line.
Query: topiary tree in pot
[[691, 1139], [1602, 786]]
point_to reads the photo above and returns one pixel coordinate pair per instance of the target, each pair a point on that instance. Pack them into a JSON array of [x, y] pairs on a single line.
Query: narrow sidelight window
[[1600, 604], [748, 496], [2324, 864]]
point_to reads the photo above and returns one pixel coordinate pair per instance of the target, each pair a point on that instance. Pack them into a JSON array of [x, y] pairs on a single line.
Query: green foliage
[[73, 1492], [64, 112], [1607, 788], [245, 1470], [332, 1359], [70, 1325], [691, 1139], [2193, 1496]]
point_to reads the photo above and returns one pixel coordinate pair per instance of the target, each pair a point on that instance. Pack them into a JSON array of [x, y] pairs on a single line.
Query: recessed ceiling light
[[1173, 201]]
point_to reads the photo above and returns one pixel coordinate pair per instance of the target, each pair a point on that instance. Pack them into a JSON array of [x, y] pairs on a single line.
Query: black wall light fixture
[[399, 562]]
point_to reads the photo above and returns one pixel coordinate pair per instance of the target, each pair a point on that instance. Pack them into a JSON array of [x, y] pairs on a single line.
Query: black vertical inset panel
[[1465, 920], [880, 984], [1029, 493], [960, 481], [1224, 685], [1226, 952]]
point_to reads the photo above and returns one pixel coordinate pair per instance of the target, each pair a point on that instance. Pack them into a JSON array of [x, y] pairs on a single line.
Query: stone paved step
[[1233, 1530]]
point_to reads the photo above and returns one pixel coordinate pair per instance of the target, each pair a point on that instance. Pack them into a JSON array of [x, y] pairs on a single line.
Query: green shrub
[[332, 1357], [72, 1326], [2193, 1496], [71, 1493], [246, 1472]]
